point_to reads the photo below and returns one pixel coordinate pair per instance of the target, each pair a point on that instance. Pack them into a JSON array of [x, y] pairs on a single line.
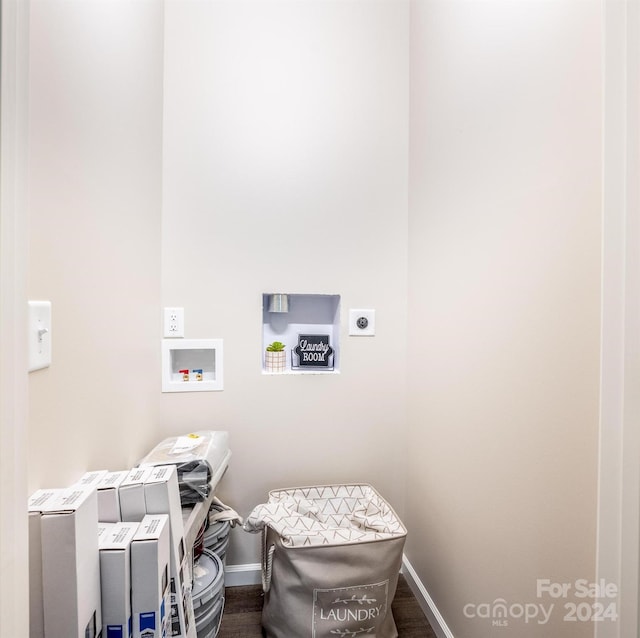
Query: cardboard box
[[91, 479], [39, 502], [109, 496], [150, 555], [114, 542], [71, 565], [103, 531], [162, 496], [131, 493]]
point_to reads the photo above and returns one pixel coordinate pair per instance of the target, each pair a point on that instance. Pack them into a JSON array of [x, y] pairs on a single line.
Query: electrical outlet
[[362, 323], [174, 322]]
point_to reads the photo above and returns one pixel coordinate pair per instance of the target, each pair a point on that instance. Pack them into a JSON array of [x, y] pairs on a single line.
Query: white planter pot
[[275, 361]]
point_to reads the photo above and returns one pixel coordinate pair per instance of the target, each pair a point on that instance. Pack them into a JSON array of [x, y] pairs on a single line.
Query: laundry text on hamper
[[348, 611]]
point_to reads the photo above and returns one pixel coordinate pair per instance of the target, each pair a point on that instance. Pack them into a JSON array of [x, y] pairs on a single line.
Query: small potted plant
[[275, 358]]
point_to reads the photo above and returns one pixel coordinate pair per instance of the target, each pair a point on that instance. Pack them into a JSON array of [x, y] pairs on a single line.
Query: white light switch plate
[[39, 335]]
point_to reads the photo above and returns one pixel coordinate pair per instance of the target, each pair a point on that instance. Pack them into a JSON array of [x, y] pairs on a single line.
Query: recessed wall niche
[[308, 326]]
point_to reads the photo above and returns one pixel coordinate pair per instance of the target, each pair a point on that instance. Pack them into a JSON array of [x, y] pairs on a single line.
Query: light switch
[[39, 335]]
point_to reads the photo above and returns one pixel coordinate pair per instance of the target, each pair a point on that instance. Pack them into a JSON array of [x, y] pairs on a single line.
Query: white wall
[[285, 169], [94, 232], [504, 292]]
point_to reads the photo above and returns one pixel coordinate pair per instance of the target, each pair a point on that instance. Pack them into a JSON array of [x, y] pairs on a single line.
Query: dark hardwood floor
[[243, 607]]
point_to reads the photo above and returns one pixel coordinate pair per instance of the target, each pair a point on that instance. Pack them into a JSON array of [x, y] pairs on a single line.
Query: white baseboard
[[250, 574], [238, 575], [425, 601]]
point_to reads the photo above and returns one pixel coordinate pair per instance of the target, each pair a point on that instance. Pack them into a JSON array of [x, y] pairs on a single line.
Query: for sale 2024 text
[[596, 601]]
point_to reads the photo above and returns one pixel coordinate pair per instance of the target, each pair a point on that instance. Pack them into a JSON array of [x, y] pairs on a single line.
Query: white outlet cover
[[39, 335], [173, 322], [356, 327]]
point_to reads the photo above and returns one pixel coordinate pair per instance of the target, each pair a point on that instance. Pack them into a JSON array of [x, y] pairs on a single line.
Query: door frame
[[618, 553]]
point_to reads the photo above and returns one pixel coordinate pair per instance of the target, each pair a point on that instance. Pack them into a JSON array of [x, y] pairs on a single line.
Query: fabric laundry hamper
[[331, 559]]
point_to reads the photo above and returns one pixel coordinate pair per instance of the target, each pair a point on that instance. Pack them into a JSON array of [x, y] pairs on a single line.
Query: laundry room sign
[[313, 351]]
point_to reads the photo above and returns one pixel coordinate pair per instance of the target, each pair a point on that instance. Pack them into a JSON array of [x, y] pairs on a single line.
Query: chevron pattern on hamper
[[326, 515]]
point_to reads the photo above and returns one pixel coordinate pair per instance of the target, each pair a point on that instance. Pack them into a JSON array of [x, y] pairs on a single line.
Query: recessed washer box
[[192, 365]]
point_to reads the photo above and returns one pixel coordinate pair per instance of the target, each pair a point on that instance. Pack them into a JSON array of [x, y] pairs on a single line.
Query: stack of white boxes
[[65, 581], [108, 559]]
